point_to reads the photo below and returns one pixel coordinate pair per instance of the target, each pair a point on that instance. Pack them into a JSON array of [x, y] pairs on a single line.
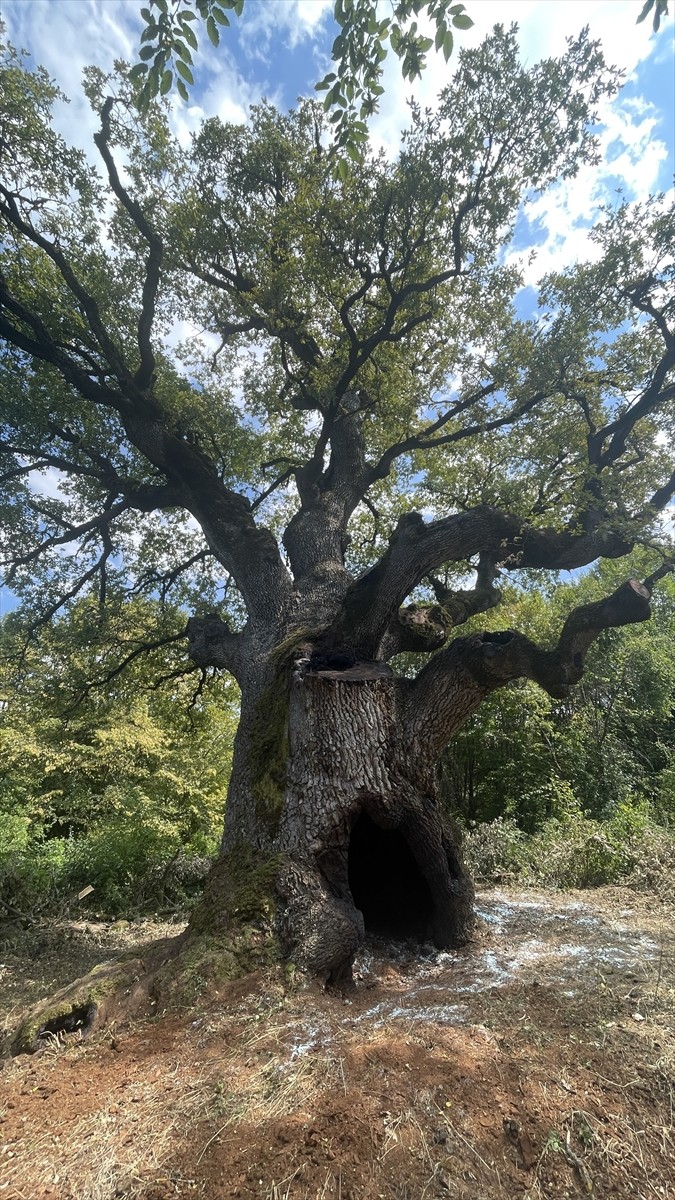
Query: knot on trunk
[[211, 643]]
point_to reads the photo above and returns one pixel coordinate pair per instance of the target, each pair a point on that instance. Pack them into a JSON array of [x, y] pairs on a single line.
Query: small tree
[[359, 346]]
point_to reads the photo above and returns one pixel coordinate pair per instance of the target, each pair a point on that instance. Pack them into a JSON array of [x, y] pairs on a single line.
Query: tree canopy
[[352, 89], [214, 343]]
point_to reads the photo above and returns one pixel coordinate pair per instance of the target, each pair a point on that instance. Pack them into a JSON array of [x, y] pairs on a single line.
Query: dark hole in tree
[[500, 637], [387, 884], [70, 1022]]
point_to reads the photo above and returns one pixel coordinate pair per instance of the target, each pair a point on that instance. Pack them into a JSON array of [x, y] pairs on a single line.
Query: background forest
[[122, 786]]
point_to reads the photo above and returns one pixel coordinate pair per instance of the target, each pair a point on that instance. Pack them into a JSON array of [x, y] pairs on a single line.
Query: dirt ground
[[539, 1062]]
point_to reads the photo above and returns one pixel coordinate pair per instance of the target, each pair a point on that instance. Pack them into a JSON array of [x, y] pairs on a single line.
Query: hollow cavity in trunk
[[386, 883]]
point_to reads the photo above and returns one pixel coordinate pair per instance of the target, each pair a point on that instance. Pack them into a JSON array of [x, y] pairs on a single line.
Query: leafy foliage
[[660, 9], [608, 747], [352, 90], [116, 785]]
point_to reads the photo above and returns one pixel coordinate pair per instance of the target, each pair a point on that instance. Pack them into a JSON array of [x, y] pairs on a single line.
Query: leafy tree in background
[[114, 790], [244, 368], [610, 742]]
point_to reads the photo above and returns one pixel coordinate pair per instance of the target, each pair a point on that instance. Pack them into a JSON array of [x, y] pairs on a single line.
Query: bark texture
[[352, 816], [335, 785]]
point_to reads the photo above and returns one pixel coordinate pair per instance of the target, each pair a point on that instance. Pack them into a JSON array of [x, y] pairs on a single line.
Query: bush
[[131, 866], [576, 852], [495, 850]]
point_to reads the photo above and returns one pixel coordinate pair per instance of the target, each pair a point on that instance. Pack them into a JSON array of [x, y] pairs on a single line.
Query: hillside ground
[[539, 1062]]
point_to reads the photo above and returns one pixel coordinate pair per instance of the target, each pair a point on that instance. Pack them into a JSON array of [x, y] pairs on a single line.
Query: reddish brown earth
[[540, 1062]]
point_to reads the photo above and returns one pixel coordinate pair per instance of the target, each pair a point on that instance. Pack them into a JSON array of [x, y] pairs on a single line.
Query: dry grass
[[397, 1106]]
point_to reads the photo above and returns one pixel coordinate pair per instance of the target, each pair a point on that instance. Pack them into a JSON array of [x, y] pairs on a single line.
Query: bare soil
[[539, 1062]]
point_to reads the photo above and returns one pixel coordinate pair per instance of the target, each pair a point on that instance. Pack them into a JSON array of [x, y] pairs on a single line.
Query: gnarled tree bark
[[335, 783]]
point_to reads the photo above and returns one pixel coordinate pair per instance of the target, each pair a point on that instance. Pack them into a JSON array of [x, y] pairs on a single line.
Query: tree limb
[[144, 374], [425, 627], [456, 680], [417, 548], [211, 643]]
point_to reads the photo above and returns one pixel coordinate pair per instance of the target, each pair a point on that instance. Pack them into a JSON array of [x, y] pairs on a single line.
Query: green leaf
[[191, 37], [182, 90], [150, 32], [165, 85], [661, 10], [448, 43], [137, 72], [212, 30], [146, 52], [182, 51], [462, 21], [342, 169], [153, 81], [186, 15], [147, 16], [185, 72], [219, 16], [645, 11]]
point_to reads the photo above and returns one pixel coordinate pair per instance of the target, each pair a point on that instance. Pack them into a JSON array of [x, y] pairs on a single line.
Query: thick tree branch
[[316, 534], [425, 627], [416, 549], [454, 683], [211, 643]]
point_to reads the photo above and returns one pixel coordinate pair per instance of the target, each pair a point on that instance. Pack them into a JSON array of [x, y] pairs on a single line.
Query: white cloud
[[294, 22], [631, 158], [50, 483], [631, 153], [67, 37]]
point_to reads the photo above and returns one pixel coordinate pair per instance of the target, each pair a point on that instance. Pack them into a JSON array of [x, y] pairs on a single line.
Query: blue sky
[[281, 47]]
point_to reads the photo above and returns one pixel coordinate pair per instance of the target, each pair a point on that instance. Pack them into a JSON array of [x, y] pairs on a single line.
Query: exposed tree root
[[110, 990], [173, 973]]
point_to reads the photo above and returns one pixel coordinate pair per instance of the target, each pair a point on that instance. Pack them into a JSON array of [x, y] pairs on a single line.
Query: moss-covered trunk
[[334, 825], [333, 828]]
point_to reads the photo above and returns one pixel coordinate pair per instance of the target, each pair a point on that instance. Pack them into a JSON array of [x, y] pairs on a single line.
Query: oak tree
[[307, 405]]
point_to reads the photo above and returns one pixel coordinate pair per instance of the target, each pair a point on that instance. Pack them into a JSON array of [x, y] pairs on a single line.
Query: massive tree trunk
[[334, 824], [333, 785]]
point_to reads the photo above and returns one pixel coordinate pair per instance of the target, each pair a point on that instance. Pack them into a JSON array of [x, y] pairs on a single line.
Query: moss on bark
[[269, 733], [232, 930], [81, 1005]]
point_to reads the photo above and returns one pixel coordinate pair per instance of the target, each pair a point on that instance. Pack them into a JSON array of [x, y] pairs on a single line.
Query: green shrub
[[495, 850], [574, 851]]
